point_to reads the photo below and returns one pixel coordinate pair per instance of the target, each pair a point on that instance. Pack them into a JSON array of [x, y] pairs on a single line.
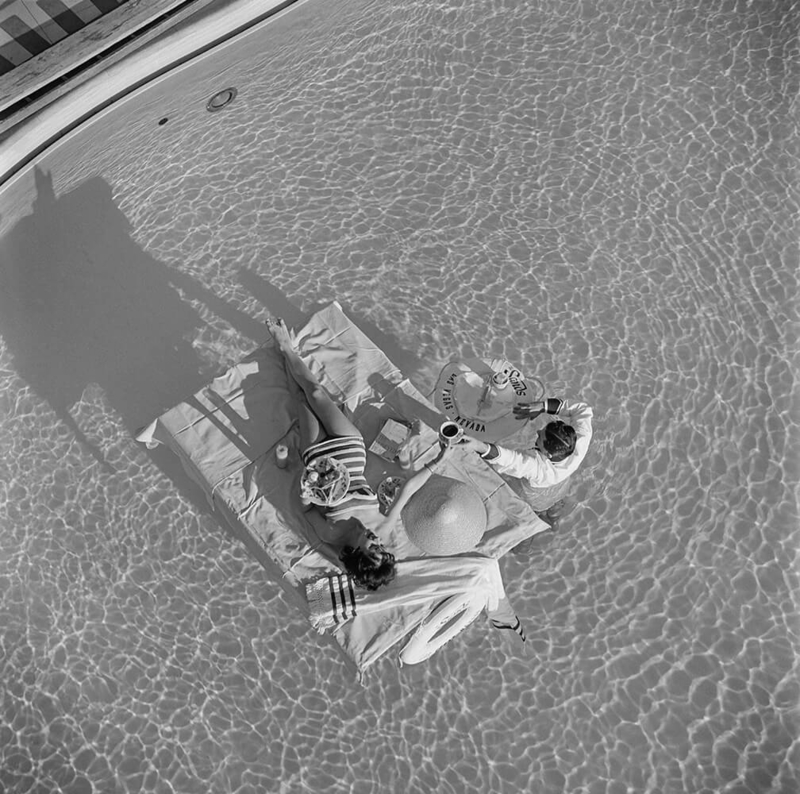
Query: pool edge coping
[[36, 133]]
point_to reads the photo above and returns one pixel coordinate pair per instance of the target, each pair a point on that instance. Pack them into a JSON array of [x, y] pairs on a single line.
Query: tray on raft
[[226, 434]]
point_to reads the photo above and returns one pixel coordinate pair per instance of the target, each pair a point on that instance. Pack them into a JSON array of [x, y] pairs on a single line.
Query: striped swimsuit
[[350, 451]]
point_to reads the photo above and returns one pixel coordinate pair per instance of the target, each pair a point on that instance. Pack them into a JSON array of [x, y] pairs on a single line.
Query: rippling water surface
[[603, 192]]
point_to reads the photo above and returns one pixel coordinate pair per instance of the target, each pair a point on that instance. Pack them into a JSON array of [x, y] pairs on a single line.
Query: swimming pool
[[604, 194]]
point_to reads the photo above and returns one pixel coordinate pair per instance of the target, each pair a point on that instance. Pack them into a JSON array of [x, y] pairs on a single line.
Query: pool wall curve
[[32, 136]]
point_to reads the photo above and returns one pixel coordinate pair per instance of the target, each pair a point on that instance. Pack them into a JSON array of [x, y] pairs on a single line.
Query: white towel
[[333, 599]]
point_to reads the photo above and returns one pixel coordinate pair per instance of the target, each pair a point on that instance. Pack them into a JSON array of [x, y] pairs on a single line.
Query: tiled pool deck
[[49, 46], [29, 27]]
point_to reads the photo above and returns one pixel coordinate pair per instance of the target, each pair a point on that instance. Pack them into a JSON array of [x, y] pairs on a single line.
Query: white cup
[[449, 434], [281, 456], [500, 380]]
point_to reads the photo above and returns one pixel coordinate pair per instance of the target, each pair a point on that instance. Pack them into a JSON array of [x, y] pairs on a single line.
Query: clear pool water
[[603, 192]]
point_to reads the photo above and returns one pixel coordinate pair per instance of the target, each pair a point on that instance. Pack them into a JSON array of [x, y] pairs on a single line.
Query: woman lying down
[[354, 522]]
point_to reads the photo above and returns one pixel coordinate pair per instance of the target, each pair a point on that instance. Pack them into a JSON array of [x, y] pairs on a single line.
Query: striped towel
[[332, 598], [332, 601]]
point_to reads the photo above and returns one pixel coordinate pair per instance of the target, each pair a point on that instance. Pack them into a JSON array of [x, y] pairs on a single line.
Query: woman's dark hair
[[365, 571], [559, 440]]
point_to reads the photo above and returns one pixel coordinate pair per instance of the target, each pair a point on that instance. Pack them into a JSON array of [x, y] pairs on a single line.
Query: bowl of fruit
[[324, 482]]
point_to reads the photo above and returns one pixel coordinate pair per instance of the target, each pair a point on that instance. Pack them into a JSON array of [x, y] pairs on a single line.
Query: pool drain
[[221, 99]]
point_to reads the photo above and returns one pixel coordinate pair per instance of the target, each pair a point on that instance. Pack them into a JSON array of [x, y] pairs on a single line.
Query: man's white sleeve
[[534, 467]]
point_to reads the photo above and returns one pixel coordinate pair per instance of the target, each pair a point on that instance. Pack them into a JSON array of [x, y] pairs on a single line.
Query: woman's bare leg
[[327, 413], [311, 431]]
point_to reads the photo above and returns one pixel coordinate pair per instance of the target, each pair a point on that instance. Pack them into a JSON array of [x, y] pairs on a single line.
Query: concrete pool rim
[[39, 132]]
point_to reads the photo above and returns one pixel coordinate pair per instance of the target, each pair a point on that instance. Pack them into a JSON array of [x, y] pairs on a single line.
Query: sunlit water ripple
[[605, 194]]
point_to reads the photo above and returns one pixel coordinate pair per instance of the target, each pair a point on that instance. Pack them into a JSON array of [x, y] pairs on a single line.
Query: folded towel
[[333, 599]]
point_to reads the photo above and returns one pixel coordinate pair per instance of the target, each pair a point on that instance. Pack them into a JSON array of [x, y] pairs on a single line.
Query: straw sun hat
[[445, 516]]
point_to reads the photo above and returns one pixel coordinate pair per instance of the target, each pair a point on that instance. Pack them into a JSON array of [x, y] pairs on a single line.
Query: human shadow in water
[[81, 303]]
